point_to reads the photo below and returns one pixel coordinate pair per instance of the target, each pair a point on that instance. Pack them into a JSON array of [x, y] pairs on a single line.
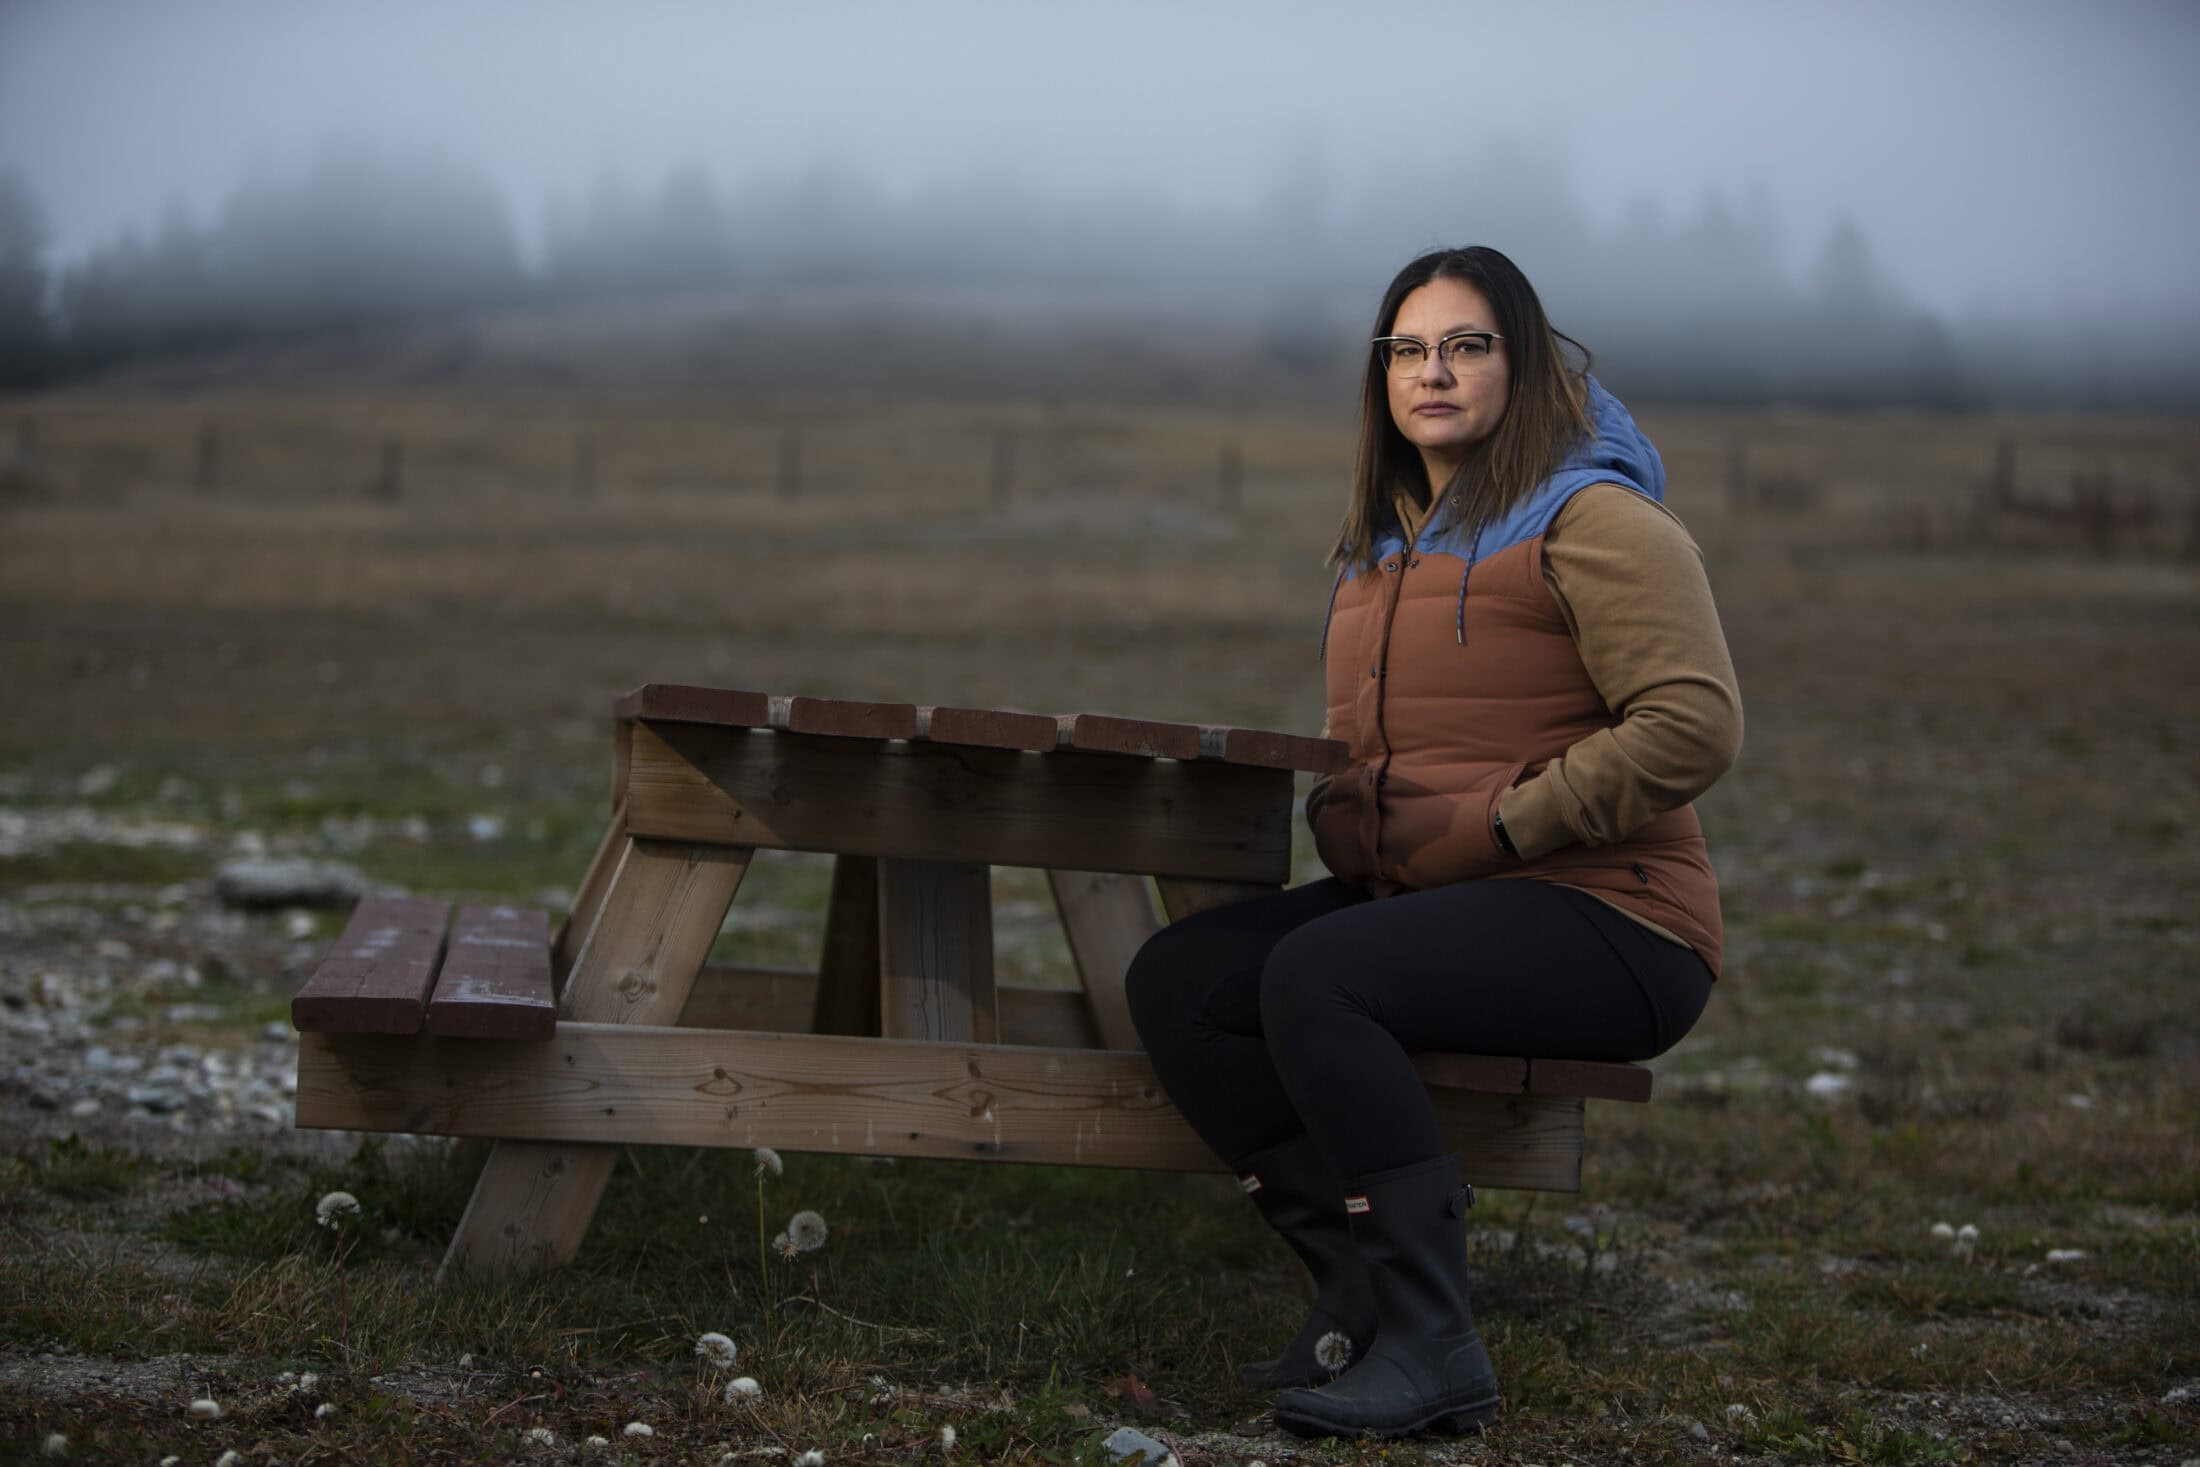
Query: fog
[[1964, 204]]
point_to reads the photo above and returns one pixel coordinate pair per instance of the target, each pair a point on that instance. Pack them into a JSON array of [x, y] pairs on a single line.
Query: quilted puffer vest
[[1452, 676]]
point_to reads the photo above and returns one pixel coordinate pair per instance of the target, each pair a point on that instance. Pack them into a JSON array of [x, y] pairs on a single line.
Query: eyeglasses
[[1405, 356]]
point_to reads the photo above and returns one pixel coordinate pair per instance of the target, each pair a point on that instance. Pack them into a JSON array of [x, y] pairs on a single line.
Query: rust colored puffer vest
[[1452, 677]]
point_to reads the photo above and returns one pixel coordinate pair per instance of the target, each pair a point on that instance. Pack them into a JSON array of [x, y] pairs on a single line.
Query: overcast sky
[[2020, 159]]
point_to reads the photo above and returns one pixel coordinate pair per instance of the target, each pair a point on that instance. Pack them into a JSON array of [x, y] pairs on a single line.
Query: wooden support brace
[[847, 984], [612, 1083], [1107, 917], [660, 915]]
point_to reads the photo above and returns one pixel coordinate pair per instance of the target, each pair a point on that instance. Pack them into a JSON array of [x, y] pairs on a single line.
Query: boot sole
[[1452, 1420]]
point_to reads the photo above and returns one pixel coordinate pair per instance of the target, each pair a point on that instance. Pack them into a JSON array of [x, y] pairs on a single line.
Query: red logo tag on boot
[[1250, 1182], [1357, 1205]]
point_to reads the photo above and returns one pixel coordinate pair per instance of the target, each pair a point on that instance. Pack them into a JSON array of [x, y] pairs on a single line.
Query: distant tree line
[[1700, 308]]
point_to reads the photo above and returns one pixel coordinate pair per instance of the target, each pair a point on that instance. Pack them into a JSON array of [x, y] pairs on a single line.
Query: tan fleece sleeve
[[1630, 583]]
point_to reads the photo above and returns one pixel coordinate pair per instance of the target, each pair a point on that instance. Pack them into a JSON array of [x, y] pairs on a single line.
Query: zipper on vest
[[1395, 571]]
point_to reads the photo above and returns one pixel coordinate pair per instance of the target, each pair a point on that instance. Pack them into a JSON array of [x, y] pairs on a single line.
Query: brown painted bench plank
[[1589, 1079], [496, 977], [375, 980]]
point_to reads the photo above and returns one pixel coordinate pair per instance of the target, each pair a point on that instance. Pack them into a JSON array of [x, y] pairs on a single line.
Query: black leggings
[[1298, 1011]]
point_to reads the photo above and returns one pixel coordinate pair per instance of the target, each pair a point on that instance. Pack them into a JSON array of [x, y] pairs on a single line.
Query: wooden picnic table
[[903, 1043]]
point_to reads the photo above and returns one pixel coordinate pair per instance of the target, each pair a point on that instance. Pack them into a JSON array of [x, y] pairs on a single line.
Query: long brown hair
[[1546, 415]]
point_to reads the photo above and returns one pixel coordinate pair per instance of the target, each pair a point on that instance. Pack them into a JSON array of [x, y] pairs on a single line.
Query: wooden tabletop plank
[[1282, 750], [375, 980], [683, 703], [852, 720], [937, 802], [1104, 733], [495, 982], [995, 728], [990, 728]]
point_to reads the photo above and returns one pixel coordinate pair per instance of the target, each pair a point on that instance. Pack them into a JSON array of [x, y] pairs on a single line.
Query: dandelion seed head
[[806, 1230], [597, 1441], [1943, 1230], [542, 1436], [768, 1162], [812, 1458], [206, 1408], [1968, 1233], [231, 1458], [171, 1460], [785, 1245], [2066, 1255], [742, 1387], [1333, 1351], [309, 1381], [334, 1207], [716, 1349], [1739, 1412], [324, 1411], [639, 1428], [947, 1437], [55, 1445]]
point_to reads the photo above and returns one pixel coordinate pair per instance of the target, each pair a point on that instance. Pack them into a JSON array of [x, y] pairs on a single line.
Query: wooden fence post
[[1004, 468], [2001, 486], [790, 464], [389, 484], [209, 472]]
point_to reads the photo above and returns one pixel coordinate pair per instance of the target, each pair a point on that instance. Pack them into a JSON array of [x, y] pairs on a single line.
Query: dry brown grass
[[1963, 842]]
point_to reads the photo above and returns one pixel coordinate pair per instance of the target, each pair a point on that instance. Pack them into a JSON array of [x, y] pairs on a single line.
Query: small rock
[[484, 826], [1130, 1445], [259, 884], [1826, 1085]]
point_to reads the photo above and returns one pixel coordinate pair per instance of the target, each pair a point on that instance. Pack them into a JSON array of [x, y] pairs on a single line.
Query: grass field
[[1960, 860]]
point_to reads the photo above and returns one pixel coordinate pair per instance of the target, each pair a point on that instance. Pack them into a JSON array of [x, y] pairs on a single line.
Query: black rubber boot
[[1300, 1197], [1427, 1370]]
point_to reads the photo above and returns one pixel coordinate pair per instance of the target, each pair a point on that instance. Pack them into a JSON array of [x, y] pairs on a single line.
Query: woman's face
[[1444, 409]]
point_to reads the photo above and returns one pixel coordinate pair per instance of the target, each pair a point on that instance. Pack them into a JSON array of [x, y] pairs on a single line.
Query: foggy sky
[[2021, 161]]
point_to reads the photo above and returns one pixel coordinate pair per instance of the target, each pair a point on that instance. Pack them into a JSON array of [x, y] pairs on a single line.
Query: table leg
[[848, 970], [936, 951], [1108, 917], [1181, 897], [660, 913], [588, 899]]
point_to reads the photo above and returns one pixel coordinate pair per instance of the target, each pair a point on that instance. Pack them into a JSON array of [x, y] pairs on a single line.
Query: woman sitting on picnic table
[[1523, 656]]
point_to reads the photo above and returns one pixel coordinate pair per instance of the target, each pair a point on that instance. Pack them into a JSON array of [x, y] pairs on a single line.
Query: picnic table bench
[[617, 1030]]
